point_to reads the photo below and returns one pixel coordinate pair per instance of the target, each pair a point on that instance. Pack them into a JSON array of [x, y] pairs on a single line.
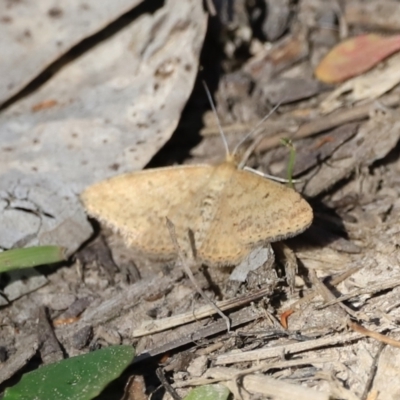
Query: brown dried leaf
[[368, 86], [355, 56]]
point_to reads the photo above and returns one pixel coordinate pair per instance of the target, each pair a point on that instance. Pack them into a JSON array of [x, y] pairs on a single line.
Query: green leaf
[[30, 257], [208, 392], [76, 378]]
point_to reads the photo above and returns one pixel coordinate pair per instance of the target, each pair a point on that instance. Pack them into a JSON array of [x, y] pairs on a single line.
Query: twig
[[372, 372], [375, 335], [150, 327], [379, 287], [269, 387], [328, 295], [49, 347], [211, 8], [238, 318], [335, 281], [166, 385], [328, 122], [264, 367], [292, 158], [277, 351], [280, 389]]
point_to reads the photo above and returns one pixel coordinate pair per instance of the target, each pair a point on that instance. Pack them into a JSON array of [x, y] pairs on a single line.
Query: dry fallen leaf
[[368, 86], [355, 56]]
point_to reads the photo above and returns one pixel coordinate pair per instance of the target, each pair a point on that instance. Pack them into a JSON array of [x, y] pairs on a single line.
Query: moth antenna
[[217, 119], [255, 128]]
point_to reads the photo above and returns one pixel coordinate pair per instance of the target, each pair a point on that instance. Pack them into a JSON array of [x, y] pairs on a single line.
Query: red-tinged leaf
[[355, 56]]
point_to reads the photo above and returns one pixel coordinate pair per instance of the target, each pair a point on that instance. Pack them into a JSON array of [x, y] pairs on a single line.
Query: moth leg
[[287, 257]]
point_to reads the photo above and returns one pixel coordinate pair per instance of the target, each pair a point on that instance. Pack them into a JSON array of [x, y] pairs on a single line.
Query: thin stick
[[261, 384], [372, 372], [188, 271], [211, 8], [166, 385], [329, 121], [327, 295], [241, 317], [375, 335], [159, 325], [263, 367], [291, 348], [379, 287], [335, 281]]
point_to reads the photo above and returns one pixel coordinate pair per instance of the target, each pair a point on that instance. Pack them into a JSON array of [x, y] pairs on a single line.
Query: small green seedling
[[292, 158], [209, 392]]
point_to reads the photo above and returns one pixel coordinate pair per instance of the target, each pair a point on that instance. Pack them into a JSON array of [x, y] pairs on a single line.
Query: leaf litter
[[346, 260]]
